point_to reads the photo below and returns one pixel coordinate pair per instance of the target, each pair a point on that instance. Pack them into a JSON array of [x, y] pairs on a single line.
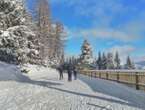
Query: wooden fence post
[[107, 75], [91, 74], [99, 75], [137, 81], [95, 74], [118, 77]]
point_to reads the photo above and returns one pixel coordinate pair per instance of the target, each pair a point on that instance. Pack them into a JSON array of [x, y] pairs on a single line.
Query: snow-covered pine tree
[[74, 60], [86, 56], [43, 23], [70, 60], [94, 64], [62, 60], [58, 35], [104, 62], [117, 61], [33, 42], [14, 32], [51, 34], [99, 61], [129, 64], [110, 63]]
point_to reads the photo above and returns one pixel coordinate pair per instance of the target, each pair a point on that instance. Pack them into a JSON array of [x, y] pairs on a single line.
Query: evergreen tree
[[67, 60], [51, 35], [58, 35], [73, 60], [129, 64], [117, 61], [43, 30], [33, 43], [110, 63], [95, 63], [104, 61], [70, 60], [99, 61], [62, 61], [14, 32], [86, 56]]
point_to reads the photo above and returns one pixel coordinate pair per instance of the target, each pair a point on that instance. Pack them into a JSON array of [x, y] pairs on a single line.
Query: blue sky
[[109, 25]]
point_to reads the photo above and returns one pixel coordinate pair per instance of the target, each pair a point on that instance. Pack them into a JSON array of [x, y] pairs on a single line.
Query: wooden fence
[[134, 78]]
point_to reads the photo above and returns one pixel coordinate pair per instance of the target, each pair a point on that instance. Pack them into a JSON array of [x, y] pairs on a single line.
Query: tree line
[[110, 61], [30, 37], [102, 62]]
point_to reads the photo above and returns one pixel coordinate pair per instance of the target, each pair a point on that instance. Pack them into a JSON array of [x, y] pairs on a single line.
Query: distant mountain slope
[[140, 65]]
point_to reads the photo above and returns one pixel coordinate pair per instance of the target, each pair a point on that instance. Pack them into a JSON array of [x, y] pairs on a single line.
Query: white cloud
[[139, 58], [108, 34], [122, 49], [136, 26], [102, 13], [103, 33]]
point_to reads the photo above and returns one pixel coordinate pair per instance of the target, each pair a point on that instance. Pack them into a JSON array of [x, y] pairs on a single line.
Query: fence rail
[[133, 78]]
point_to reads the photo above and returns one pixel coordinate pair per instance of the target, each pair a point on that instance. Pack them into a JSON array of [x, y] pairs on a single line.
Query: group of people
[[70, 69]]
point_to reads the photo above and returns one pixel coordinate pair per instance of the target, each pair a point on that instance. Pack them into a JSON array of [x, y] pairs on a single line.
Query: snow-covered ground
[[41, 90]]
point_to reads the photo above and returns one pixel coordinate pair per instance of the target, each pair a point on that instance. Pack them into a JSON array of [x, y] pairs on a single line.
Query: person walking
[[75, 72], [69, 71], [60, 70]]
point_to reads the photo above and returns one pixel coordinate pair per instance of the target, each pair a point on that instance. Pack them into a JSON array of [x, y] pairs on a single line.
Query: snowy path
[[43, 91]]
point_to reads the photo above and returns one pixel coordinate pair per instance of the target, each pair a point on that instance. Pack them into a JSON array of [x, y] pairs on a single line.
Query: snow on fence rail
[[133, 78]]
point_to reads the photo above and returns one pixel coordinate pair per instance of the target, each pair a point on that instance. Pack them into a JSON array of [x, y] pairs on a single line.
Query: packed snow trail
[[41, 90]]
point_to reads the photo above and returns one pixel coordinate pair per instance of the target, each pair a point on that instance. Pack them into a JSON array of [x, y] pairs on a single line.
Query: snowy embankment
[[41, 90], [10, 72]]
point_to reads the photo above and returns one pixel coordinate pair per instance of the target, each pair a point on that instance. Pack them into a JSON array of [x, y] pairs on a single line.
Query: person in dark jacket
[[69, 71], [75, 72], [60, 70]]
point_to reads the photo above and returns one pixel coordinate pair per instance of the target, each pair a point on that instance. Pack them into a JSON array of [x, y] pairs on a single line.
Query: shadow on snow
[[51, 85], [116, 90]]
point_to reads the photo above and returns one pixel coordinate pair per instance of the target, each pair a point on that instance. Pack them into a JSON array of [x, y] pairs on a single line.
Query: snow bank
[[13, 72], [9, 72], [37, 69]]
